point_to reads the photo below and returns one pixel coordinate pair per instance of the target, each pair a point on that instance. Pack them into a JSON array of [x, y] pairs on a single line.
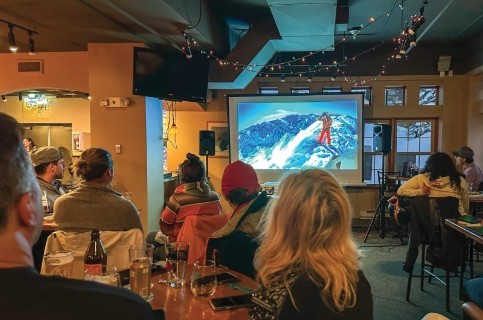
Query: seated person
[[242, 191], [49, 166], [24, 293], [308, 264], [473, 291], [473, 174], [192, 197], [94, 204], [439, 178]]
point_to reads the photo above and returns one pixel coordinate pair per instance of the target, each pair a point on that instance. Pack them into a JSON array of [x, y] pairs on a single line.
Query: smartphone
[[231, 302], [124, 276], [221, 278]]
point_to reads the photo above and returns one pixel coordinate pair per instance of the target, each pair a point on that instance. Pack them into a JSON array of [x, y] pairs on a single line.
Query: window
[[300, 90], [268, 90], [414, 142], [428, 95], [395, 96], [331, 89], [367, 94]]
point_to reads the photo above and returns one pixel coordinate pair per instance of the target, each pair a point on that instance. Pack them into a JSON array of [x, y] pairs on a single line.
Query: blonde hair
[[307, 230]]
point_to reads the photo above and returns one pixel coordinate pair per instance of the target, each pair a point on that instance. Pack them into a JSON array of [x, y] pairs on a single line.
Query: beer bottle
[[95, 258]]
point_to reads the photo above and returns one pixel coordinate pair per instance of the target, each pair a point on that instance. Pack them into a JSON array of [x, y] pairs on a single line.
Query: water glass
[[203, 278], [176, 258], [59, 263], [470, 187], [141, 257], [110, 277]]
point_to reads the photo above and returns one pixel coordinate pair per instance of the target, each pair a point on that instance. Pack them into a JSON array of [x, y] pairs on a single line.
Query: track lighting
[[309, 79], [412, 41], [31, 44], [20, 96], [11, 39], [282, 79], [4, 99]]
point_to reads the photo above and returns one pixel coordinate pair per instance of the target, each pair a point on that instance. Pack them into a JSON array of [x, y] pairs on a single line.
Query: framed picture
[[222, 141]]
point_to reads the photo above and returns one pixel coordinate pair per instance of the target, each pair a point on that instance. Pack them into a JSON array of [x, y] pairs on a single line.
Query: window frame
[[262, 90], [307, 89], [437, 102], [331, 89], [365, 89]]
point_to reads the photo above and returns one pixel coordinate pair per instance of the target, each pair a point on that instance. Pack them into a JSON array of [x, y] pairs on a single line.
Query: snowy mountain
[[291, 143]]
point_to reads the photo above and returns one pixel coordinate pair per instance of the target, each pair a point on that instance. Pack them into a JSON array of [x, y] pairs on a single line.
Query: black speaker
[[382, 138], [207, 143]]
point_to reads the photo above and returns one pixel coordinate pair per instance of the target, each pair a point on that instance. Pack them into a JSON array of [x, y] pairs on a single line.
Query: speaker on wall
[[207, 143], [382, 138]]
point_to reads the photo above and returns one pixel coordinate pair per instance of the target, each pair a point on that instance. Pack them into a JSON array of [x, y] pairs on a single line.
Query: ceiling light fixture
[[31, 44], [187, 47], [4, 99], [282, 79], [11, 39], [309, 79]]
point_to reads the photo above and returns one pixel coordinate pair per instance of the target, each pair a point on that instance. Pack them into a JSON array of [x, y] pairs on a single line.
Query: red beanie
[[239, 175]]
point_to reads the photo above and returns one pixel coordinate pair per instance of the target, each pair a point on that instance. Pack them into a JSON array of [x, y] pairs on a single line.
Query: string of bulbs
[[404, 43], [11, 37]]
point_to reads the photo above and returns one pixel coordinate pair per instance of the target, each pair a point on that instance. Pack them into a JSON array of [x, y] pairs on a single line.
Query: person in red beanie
[[241, 189]]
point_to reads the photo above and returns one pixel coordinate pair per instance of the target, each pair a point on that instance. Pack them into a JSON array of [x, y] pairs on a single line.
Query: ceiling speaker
[[444, 63]]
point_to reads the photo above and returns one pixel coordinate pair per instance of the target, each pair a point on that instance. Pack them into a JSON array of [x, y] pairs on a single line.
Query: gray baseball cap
[[45, 155], [464, 152]]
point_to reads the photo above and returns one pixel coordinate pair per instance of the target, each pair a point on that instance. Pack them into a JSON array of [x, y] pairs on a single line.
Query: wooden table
[[49, 224], [471, 235], [475, 201], [180, 303]]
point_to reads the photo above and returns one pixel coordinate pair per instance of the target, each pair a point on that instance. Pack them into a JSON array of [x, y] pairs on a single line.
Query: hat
[[464, 152], [239, 175], [45, 155]]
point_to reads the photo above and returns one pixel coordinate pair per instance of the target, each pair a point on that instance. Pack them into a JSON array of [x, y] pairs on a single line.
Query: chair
[[116, 244], [444, 251], [471, 311], [197, 229]]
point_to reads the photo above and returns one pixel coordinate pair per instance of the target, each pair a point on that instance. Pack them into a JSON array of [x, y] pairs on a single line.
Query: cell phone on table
[[221, 278], [231, 302]]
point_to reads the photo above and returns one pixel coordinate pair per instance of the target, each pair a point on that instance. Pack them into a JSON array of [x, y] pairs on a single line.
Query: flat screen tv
[[169, 75], [278, 134]]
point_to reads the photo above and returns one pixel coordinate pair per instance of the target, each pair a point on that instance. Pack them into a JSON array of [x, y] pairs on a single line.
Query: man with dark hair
[[24, 294], [242, 191], [49, 166], [473, 175]]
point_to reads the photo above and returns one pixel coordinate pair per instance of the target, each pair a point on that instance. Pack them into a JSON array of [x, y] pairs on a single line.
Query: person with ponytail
[[94, 204]]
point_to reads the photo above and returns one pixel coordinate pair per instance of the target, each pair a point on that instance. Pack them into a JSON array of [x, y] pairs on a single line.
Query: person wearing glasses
[[49, 167]]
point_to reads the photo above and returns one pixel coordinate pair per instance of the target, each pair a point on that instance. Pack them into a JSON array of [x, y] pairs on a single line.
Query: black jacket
[[422, 226]]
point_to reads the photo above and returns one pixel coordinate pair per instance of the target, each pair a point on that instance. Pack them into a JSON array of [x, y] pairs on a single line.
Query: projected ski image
[[298, 135]]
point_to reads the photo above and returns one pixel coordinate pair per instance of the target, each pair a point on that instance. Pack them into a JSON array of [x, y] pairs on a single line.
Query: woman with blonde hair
[[94, 204], [308, 265]]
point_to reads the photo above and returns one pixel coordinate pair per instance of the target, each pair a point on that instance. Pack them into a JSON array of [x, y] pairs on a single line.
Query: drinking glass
[[141, 257], [203, 278], [176, 257], [110, 277], [470, 187], [59, 263]]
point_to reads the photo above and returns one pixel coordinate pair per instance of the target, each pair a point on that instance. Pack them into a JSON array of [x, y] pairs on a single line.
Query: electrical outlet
[[118, 148]]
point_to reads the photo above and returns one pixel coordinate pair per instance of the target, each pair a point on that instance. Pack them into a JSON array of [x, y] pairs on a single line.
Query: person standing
[[308, 264], [29, 145], [24, 294], [324, 136], [473, 175], [49, 166]]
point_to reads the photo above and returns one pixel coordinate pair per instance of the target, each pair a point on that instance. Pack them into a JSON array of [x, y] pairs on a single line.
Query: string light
[[405, 38]]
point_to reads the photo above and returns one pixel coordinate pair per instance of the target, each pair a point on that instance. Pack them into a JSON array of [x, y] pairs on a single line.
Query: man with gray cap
[[473, 175], [49, 166]]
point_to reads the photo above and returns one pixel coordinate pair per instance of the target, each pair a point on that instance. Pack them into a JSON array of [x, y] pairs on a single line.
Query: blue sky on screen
[[250, 113]]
